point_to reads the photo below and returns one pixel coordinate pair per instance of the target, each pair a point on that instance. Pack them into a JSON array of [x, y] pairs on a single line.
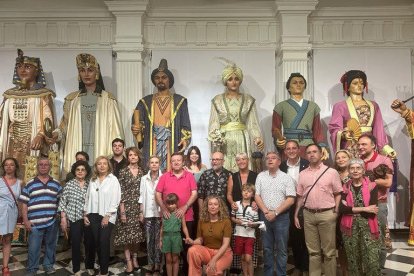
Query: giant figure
[[300, 119], [357, 115], [91, 118], [408, 115], [161, 122], [233, 126], [27, 116]]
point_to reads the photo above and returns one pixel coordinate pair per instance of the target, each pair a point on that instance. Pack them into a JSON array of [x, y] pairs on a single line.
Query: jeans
[[36, 236], [275, 240]]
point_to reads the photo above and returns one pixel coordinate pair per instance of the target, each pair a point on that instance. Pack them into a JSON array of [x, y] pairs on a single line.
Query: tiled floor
[[399, 262]]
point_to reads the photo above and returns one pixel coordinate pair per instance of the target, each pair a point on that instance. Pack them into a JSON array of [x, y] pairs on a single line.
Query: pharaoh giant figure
[[233, 127], [91, 118], [161, 122], [357, 115], [27, 116], [300, 119]]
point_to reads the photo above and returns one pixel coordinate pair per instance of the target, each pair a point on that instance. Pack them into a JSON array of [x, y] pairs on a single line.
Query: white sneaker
[[79, 273], [90, 272]]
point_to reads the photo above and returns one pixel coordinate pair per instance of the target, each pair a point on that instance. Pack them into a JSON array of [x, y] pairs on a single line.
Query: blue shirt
[[42, 201]]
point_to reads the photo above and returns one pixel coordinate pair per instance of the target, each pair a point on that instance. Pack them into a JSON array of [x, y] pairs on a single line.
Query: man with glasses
[[275, 193], [214, 181]]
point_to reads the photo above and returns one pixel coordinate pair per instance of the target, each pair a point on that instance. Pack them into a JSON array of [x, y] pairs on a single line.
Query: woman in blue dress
[[10, 187]]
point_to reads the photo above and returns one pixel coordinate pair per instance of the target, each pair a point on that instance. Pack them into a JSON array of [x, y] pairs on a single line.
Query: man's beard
[[161, 86], [217, 168]]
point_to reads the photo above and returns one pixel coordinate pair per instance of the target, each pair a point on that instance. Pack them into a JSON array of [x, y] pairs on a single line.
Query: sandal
[[5, 270], [126, 269]]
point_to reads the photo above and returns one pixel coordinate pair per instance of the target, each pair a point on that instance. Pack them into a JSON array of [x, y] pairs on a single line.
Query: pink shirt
[[370, 165], [322, 195], [182, 187]]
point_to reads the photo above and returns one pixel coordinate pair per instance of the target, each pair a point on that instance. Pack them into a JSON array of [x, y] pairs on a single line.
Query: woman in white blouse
[[102, 200]]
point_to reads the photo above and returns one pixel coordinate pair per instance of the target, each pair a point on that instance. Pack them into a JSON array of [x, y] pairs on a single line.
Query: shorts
[[243, 245], [172, 243]]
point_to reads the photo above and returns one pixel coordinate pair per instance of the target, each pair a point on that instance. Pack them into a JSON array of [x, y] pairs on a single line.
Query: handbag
[[19, 218], [300, 213]]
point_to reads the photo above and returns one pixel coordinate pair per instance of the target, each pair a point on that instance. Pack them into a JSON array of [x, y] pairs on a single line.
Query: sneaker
[[79, 273], [90, 272], [50, 271]]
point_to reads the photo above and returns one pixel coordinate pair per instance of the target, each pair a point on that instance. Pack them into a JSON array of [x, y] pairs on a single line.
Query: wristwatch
[[276, 213]]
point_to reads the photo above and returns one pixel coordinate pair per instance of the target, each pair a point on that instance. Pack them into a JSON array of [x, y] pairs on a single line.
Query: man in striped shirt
[[40, 200]]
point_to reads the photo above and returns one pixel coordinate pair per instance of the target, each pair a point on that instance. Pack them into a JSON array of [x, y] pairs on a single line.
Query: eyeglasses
[[216, 159], [80, 170]]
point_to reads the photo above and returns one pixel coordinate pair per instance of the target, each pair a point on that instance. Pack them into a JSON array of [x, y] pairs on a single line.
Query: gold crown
[[86, 60]]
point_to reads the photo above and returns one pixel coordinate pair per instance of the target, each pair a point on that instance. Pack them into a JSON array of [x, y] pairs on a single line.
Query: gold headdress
[[86, 60]]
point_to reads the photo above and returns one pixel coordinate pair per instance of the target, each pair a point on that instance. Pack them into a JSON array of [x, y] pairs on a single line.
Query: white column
[[129, 52], [294, 46]]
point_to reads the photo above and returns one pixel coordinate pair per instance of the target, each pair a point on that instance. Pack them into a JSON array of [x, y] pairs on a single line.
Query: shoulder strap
[[306, 198], [8, 187]]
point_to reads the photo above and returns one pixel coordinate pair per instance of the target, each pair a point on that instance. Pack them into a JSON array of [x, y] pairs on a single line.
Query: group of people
[[152, 193]]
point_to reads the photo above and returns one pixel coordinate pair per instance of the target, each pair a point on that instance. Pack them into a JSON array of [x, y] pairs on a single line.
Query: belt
[[314, 211]]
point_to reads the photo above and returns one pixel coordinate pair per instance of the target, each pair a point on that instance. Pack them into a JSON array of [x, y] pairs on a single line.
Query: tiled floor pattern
[[400, 260]]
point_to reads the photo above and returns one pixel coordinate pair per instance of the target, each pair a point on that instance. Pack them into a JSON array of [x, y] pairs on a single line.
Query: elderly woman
[[71, 210], [101, 205], [233, 125], [212, 246], [10, 187], [359, 223], [130, 232]]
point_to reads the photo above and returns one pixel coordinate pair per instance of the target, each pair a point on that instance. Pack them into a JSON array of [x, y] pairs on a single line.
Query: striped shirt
[[42, 201], [72, 201]]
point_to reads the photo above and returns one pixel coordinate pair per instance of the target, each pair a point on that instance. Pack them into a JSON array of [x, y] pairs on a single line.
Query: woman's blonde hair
[[95, 166], [222, 214]]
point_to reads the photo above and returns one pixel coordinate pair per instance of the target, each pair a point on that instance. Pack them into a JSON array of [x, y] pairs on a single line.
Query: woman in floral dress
[[130, 232]]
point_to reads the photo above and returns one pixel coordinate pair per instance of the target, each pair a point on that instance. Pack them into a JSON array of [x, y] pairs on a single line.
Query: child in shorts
[[244, 233], [171, 240]]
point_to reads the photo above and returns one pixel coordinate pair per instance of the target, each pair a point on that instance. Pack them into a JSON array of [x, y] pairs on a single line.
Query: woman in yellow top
[[212, 246]]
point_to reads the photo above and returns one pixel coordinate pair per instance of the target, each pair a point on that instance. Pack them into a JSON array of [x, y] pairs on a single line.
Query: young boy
[[245, 229]]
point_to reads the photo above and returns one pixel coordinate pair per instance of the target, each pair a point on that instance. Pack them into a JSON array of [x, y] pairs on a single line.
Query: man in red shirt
[[367, 151], [182, 183]]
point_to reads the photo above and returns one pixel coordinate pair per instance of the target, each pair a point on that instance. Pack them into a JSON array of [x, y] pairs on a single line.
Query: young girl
[[171, 240], [150, 216], [245, 229]]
